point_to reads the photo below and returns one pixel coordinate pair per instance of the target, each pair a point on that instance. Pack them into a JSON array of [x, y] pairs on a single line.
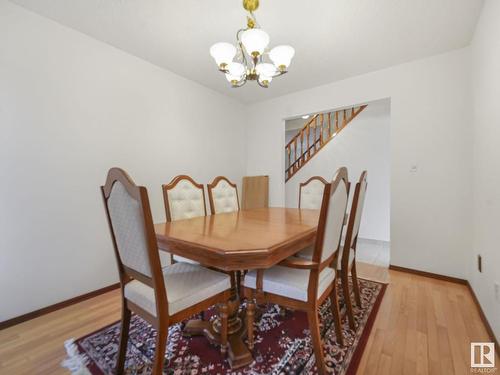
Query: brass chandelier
[[248, 61]]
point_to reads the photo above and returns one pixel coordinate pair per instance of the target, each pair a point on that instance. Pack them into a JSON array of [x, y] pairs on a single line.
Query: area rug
[[282, 344]]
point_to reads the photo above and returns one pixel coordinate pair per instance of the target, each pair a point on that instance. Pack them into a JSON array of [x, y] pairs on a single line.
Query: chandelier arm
[[279, 73], [241, 47], [241, 83]]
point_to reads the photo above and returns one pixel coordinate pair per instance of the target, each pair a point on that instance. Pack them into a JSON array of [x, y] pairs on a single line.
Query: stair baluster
[[299, 157]]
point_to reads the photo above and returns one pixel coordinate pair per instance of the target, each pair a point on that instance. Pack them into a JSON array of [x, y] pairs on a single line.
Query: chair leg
[[122, 350], [355, 284], [334, 305], [223, 330], [250, 320], [313, 319], [347, 298], [161, 342]]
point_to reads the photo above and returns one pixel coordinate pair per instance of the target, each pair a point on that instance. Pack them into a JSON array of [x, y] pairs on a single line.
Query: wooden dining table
[[248, 239]]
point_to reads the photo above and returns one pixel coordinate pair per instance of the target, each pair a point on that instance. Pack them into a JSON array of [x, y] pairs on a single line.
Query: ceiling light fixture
[[305, 117], [246, 61]]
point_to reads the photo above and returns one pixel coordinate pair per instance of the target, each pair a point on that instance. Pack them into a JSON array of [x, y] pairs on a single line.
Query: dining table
[[237, 241]]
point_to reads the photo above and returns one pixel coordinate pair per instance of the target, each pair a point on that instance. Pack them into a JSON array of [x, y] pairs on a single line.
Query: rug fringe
[[75, 362]]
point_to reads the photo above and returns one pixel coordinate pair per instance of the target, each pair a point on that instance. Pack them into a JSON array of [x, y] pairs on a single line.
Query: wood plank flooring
[[424, 326]]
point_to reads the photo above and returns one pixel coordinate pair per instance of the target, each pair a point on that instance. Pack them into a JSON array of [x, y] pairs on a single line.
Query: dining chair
[[347, 262], [303, 284], [161, 296], [184, 198], [311, 197], [311, 192], [223, 196]]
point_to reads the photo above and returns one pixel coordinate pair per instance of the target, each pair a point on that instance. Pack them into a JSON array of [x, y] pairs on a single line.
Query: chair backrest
[[132, 231], [311, 192], [184, 198], [331, 219], [223, 196], [358, 201]]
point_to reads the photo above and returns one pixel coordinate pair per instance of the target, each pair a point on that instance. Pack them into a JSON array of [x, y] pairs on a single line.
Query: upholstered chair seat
[[290, 282], [187, 284]]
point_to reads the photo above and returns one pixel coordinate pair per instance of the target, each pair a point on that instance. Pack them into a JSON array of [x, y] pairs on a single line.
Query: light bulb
[[255, 41], [223, 53], [282, 56]]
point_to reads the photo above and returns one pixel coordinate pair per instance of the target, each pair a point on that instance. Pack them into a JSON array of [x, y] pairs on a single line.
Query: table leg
[[238, 353]]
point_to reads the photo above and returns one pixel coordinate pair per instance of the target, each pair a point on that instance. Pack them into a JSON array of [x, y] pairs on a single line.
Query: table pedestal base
[[238, 353]]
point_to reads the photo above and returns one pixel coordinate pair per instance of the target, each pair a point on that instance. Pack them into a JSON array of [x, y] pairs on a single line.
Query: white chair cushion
[[311, 195], [289, 282], [224, 197], [185, 201], [186, 285], [307, 253], [178, 258], [128, 226]]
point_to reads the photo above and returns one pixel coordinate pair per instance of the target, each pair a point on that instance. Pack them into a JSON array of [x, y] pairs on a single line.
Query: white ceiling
[[333, 39]]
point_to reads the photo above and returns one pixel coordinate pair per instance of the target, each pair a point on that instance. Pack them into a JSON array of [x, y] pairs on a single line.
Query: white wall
[[486, 176], [70, 108], [430, 127], [363, 145]]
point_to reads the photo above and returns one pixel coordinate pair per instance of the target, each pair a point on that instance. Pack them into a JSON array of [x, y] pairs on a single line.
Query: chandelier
[[249, 60]]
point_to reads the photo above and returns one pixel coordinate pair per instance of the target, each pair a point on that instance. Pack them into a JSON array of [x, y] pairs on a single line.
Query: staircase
[[317, 132]]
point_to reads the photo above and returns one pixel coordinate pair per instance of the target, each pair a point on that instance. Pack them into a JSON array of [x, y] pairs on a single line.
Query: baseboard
[[60, 305], [483, 317], [374, 241], [428, 274]]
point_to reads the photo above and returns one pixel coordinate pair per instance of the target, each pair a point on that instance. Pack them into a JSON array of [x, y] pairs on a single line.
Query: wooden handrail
[[307, 124], [297, 159]]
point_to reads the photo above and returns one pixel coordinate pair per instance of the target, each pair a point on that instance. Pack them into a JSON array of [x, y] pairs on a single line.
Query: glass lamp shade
[[236, 69], [234, 80], [266, 69], [282, 56], [255, 41], [223, 53]]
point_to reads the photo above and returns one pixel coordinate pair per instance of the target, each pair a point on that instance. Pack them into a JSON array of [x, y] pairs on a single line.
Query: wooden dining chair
[[184, 198], [162, 297], [223, 196], [347, 261], [303, 284], [311, 192]]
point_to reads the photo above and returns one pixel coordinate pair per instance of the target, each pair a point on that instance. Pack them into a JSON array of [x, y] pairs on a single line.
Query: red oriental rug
[[282, 344]]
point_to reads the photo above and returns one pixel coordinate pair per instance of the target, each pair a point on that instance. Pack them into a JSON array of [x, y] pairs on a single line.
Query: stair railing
[[316, 133]]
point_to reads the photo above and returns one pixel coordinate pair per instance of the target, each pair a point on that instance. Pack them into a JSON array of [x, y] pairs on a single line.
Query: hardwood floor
[[424, 326]]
